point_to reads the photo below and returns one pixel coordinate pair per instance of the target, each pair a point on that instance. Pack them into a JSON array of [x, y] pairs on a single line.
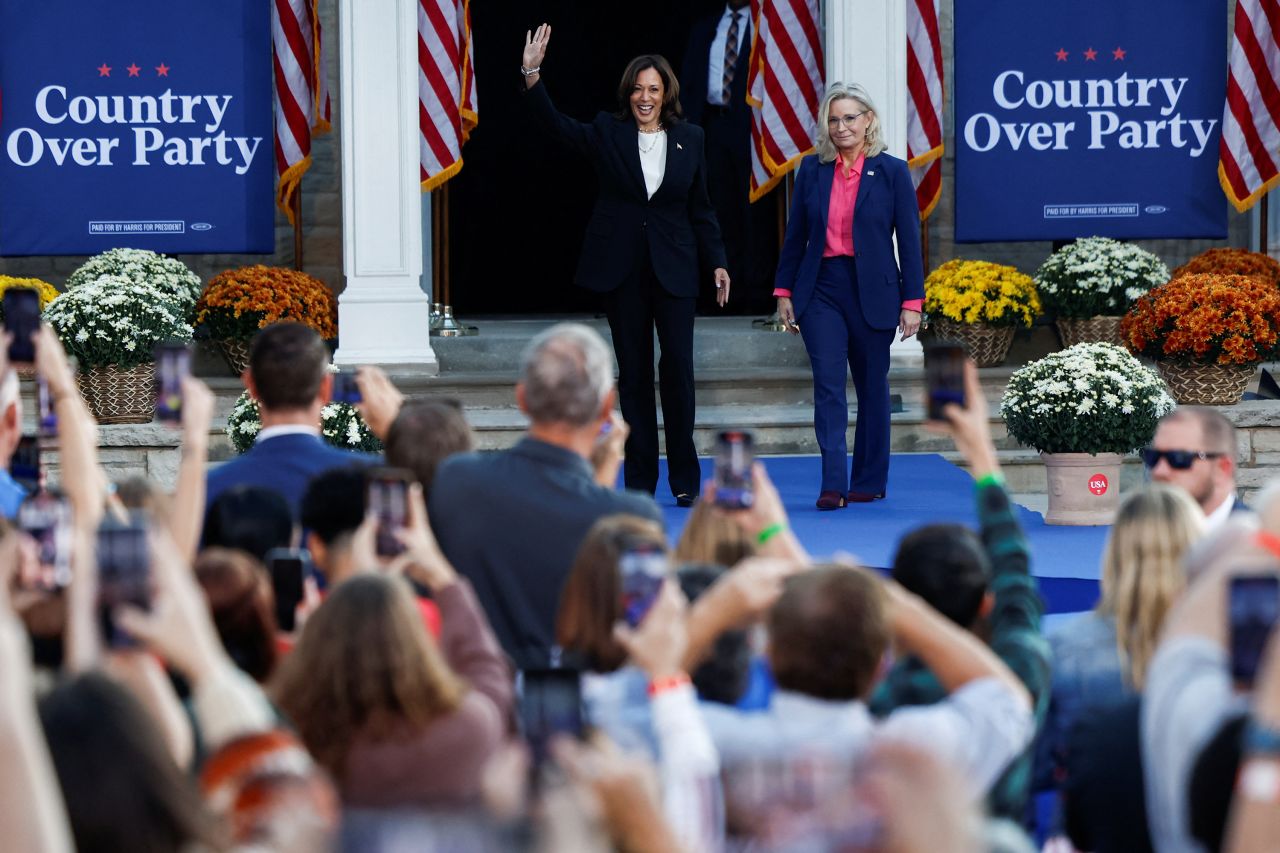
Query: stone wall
[[321, 207]]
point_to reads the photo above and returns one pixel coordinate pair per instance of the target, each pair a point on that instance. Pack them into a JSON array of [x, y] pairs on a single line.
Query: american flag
[[302, 91], [1250, 148], [784, 88], [446, 87], [924, 103]]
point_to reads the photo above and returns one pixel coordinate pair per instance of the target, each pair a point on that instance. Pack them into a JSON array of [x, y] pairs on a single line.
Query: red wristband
[[671, 682]]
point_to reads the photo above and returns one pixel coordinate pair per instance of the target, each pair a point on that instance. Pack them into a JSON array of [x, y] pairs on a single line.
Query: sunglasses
[[1179, 460]]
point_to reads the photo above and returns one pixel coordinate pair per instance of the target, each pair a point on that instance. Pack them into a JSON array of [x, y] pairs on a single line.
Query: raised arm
[[570, 132], [82, 479], [187, 515], [31, 810]]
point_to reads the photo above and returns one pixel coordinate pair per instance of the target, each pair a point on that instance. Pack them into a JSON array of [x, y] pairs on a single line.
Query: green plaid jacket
[[1015, 637]]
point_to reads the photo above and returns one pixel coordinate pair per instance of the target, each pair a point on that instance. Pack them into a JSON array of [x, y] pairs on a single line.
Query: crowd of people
[[494, 682]]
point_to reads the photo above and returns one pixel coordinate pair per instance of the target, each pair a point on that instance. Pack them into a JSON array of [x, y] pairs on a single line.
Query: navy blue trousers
[[836, 333]]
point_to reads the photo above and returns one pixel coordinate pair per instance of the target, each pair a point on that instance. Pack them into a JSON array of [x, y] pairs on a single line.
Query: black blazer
[[677, 227], [693, 76]]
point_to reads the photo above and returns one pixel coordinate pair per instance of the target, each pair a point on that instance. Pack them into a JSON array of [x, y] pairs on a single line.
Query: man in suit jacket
[[511, 522], [713, 92], [289, 377]]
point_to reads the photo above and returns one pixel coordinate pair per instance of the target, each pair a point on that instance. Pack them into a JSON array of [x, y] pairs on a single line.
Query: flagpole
[[773, 323], [295, 206], [1264, 235], [924, 244], [448, 327]]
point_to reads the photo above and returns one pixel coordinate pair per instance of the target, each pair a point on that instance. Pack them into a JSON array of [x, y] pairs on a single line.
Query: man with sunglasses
[[1194, 448]]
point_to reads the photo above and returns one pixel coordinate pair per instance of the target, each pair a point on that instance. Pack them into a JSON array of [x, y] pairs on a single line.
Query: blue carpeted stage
[[923, 488]]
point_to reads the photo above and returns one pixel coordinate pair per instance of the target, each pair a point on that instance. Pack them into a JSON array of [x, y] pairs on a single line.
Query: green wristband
[[995, 478], [769, 532]]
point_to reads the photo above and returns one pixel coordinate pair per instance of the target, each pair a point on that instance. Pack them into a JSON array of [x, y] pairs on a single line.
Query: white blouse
[[653, 159]]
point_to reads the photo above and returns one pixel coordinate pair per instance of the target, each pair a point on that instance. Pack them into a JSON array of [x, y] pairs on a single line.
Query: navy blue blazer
[[886, 205], [677, 227], [693, 76], [285, 463]]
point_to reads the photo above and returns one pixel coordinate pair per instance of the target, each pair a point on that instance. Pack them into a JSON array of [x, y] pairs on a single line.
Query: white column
[[867, 44], [383, 313]]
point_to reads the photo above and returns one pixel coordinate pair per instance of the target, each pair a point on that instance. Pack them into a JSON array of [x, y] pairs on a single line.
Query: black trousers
[[634, 309]]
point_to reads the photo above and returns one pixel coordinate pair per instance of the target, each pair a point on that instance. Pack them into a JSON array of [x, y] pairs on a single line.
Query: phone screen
[[388, 500], [173, 364], [1253, 605], [46, 518], [944, 378], [643, 568], [24, 465], [550, 704], [46, 417], [124, 576], [735, 453], [288, 568], [21, 319], [345, 389]]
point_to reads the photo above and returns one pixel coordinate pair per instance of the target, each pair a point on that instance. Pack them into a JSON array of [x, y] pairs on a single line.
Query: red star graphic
[[1062, 55], [133, 69], [162, 70], [1118, 53], [1090, 55], [104, 70]]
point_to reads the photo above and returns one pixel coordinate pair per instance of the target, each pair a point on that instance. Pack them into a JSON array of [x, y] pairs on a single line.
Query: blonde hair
[[1142, 570], [711, 537], [852, 91]]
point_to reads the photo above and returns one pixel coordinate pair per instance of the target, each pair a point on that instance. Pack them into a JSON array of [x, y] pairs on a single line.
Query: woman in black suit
[[652, 231]]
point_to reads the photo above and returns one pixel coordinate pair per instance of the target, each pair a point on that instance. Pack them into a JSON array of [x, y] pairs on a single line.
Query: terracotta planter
[[1099, 329], [1206, 384], [1084, 489], [987, 345]]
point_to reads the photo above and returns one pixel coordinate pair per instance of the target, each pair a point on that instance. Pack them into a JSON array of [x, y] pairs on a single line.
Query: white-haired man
[[511, 522]]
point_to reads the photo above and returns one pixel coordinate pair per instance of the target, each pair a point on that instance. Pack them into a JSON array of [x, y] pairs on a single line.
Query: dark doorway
[[521, 202]]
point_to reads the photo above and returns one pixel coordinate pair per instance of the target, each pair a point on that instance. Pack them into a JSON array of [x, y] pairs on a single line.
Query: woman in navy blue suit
[[841, 287], [652, 235]]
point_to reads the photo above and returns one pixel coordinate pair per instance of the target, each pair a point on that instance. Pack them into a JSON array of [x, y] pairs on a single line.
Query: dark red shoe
[[830, 500], [863, 497]]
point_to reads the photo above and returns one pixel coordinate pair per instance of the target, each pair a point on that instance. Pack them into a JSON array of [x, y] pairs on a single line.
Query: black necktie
[[730, 58]]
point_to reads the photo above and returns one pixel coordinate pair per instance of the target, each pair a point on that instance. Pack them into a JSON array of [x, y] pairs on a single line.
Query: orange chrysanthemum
[[1206, 318], [239, 302]]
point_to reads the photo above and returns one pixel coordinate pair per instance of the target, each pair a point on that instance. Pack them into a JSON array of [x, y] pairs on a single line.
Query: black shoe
[[685, 499]]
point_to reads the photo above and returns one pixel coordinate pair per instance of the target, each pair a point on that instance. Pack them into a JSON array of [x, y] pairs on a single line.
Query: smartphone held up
[[22, 321], [387, 497], [944, 378], [735, 456], [173, 365]]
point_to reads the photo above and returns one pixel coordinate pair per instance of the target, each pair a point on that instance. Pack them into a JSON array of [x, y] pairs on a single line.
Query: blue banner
[[137, 123], [1093, 117]]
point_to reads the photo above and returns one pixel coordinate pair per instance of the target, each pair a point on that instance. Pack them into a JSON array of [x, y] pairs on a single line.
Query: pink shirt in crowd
[[844, 197]]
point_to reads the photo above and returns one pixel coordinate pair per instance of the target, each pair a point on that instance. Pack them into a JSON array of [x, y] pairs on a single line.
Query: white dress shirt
[[653, 159], [715, 60]]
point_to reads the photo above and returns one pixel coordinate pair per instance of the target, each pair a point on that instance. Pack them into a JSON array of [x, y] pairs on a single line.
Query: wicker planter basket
[[1206, 384], [1105, 330], [987, 345], [116, 396], [235, 353]]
